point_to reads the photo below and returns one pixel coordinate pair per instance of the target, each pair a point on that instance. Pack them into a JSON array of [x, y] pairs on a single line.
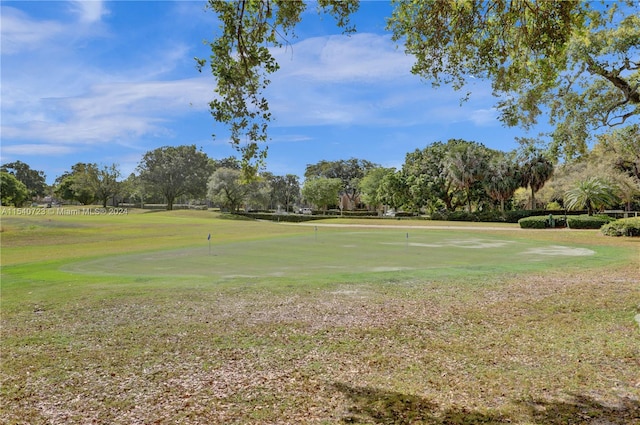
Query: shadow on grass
[[373, 405], [581, 409]]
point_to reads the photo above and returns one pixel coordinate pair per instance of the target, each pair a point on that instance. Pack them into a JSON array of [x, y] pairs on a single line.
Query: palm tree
[[592, 193], [502, 180], [536, 171], [467, 166]]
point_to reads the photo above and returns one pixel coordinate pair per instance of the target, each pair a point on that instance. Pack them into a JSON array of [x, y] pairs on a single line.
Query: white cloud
[[484, 117], [111, 111], [88, 11], [19, 33], [360, 57], [364, 80], [40, 148]]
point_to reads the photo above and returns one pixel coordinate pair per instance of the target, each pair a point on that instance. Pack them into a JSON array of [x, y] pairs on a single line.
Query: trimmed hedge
[[587, 221], [496, 216], [622, 227], [542, 222], [288, 218]]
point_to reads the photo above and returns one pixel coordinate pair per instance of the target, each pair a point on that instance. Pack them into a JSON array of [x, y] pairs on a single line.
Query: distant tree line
[[443, 176]]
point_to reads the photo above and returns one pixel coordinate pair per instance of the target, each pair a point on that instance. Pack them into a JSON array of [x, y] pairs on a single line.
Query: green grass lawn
[[140, 319]]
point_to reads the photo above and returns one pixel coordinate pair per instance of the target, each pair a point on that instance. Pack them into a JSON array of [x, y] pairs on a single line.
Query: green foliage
[[103, 182], [502, 179], [543, 221], [12, 191], [587, 221], [241, 62], [622, 227], [574, 60], [370, 186], [79, 184], [321, 191], [579, 61], [175, 171], [535, 222], [226, 188], [447, 174], [283, 218], [394, 190], [466, 166], [536, 169], [35, 181], [285, 190], [593, 194], [349, 171]]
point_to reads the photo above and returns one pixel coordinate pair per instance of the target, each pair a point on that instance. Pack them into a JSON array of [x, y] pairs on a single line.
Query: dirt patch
[[560, 250]]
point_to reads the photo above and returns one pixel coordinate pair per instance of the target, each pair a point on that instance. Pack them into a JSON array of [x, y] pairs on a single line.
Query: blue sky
[[105, 82]]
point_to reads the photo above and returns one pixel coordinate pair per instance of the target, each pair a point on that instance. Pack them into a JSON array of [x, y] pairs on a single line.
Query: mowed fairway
[[140, 319]]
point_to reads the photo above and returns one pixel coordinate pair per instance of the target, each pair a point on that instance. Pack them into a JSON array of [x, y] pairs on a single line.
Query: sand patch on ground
[[472, 243], [560, 250]]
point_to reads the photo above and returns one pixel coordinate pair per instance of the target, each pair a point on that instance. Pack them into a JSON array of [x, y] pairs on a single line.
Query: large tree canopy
[[579, 61], [175, 171], [34, 180], [576, 61]]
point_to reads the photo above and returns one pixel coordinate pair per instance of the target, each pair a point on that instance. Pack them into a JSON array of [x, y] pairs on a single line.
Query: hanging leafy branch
[[242, 62], [577, 61]]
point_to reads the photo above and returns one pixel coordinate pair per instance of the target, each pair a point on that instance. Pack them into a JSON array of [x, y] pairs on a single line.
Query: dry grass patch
[[542, 347], [551, 349]]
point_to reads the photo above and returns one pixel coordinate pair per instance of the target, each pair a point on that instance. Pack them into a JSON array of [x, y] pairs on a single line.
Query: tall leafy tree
[[535, 167], [370, 186], [176, 171], [101, 182], [321, 191], [12, 191], [394, 191], [34, 180], [578, 59], [285, 190], [227, 188], [77, 184], [502, 179], [467, 166], [349, 171], [426, 172], [621, 148]]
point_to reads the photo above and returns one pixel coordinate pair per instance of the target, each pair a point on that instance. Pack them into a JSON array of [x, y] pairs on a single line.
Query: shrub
[[587, 221], [536, 222], [622, 227], [542, 222], [462, 216]]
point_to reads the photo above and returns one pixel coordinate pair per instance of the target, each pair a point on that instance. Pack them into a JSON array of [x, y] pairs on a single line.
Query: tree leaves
[[241, 62]]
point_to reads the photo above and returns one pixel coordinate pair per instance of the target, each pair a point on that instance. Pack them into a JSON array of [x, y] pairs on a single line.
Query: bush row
[[287, 218], [588, 222], [542, 222], [622, 227], [572, 222], [493, 216]]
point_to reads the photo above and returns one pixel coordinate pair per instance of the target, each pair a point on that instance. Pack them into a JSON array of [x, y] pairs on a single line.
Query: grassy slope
[[546, 347]]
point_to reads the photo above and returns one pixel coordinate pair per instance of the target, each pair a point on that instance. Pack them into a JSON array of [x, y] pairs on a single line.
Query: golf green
[[340, 252]]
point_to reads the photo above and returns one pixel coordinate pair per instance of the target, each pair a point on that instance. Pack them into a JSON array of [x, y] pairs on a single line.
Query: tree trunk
[[533, 199]]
